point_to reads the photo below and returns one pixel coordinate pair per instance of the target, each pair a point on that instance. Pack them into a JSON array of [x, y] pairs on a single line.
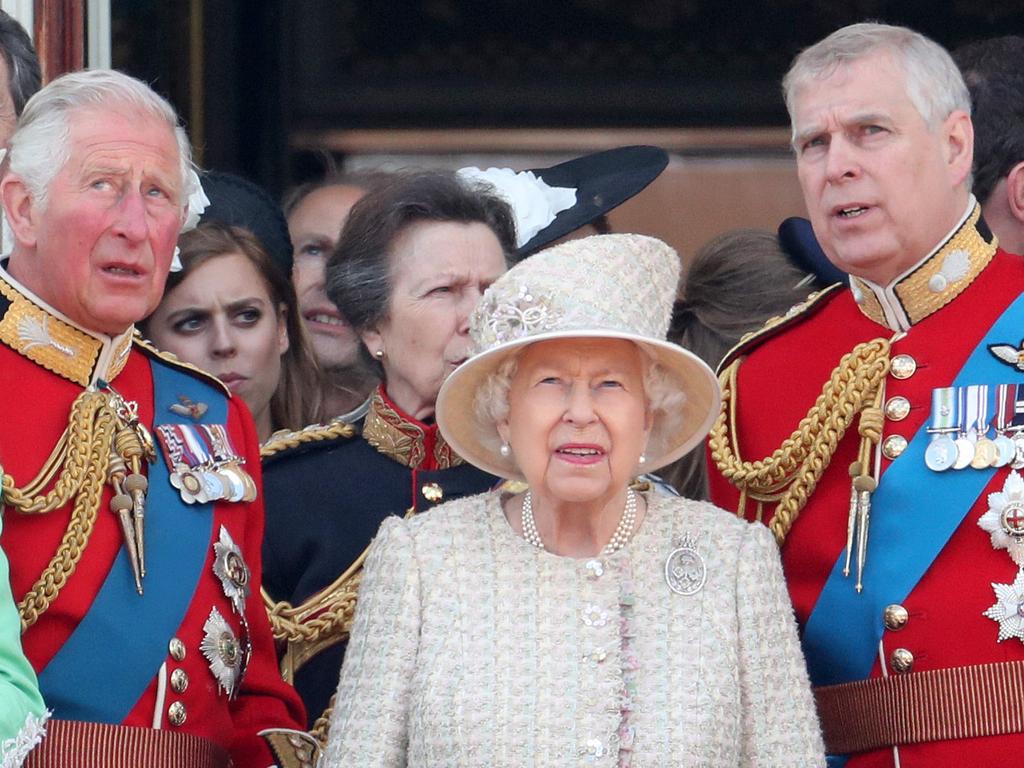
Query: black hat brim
[[603, 181]]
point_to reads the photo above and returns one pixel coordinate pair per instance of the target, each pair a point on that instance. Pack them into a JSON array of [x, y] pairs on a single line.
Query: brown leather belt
[[73, 744], [937, 705]]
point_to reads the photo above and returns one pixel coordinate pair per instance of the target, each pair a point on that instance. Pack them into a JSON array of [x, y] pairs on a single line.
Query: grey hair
[[933, 82], [665, 397], [40, 146]]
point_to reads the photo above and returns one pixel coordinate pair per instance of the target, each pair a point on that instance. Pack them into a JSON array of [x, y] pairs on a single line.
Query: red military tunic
[[782, 373], [34, 413]]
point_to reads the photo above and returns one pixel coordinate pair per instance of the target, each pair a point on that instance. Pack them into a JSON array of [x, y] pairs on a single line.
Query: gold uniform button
[[179, 680], [432, 492], [895, 617], [897, 408], [903, 366], [176, 713], [176, 649], [893, 446], [902, 660]]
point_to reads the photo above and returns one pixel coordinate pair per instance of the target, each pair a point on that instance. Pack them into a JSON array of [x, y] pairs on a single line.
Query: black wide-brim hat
[[603, 181], [238, 202]]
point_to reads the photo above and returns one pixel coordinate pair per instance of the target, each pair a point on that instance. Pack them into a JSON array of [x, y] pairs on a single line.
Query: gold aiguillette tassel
[[865, 486], [121, 504]]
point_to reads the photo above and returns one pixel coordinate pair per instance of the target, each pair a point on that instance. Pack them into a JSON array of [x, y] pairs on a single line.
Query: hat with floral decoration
[[605, 287]]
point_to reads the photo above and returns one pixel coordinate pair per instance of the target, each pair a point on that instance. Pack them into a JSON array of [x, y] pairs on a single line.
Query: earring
[[379, 354], [505, 450], [642, 459]]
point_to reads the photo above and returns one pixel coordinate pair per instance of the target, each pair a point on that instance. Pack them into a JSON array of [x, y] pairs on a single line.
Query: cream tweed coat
[[472, 648]]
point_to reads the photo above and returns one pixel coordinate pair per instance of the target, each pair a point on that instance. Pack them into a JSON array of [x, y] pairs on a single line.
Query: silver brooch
[[225, 654], [685, 571], [231, 569]]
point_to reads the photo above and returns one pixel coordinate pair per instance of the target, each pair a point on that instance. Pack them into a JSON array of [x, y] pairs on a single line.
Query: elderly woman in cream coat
[[578, 622]]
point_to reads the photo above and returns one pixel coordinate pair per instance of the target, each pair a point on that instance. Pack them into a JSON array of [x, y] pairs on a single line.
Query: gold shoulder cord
[[81, 456], [283, 439], [789, 475]]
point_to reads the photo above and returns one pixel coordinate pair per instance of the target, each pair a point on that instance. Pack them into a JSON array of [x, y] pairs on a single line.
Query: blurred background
[[278, 90]]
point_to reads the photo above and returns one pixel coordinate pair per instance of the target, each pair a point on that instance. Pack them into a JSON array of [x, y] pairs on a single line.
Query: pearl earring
[[505, 450], [642, 459], [379, 354]]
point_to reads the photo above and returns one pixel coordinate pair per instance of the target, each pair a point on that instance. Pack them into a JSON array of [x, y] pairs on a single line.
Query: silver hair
[[933, 82], [663, 392], [40, 146]]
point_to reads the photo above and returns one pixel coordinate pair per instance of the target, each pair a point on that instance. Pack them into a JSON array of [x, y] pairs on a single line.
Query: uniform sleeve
[[779, 723], [21, 705], [369, 724], [265, 700]]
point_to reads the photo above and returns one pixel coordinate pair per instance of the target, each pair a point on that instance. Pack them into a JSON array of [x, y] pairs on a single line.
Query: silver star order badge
[[230, 568], [1004, 520], [1009, 608], [222, 649]]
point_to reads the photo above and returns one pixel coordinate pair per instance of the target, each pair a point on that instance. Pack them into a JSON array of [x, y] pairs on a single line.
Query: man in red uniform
[[873, 429], [130, 481]]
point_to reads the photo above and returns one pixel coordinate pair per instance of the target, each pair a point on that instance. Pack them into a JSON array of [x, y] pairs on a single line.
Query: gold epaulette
[[147, 347], [795, 314], [283, 439]]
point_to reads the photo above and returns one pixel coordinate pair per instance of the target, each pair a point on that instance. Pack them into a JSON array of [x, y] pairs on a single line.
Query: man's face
[[101, 248], [8, 118], [880, 187]]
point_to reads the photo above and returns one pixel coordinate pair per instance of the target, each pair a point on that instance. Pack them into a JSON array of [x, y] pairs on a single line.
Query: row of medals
[[215, 482], [975, 451]]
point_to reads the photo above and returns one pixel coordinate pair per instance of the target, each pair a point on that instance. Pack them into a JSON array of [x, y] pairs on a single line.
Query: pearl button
[[893, 446], [895, 617], [897, 408], [903, 367], [938, 283]]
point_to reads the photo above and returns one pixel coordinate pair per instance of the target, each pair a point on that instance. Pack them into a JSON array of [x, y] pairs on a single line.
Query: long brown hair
[[297, 400]]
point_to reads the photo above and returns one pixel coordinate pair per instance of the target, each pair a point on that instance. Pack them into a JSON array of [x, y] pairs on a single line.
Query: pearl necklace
[[623, 532]]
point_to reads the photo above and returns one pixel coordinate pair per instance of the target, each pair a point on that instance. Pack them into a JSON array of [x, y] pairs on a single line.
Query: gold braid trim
[[84, 451], [328, 613], [791, 473], [284, 440], [323, 723]]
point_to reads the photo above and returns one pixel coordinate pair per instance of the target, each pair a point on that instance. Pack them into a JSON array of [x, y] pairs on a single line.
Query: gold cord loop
[[789, 474]]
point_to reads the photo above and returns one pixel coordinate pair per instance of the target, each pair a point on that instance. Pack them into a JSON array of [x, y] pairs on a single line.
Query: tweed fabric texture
[[473, 648]]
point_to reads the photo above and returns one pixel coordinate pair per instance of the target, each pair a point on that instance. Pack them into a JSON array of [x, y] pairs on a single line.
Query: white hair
[[664, 394], [933, 82], [40, 146]]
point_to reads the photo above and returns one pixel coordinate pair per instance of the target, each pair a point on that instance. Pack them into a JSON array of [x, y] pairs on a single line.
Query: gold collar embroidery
[[34, 330], [934, 282], [404, 439]]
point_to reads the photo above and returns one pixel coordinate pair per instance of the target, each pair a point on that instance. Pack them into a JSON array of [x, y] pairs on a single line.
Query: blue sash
[[842, 633], [115, 651]]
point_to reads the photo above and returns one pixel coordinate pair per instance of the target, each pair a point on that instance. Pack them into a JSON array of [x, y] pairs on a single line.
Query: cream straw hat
[[606, 286]]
